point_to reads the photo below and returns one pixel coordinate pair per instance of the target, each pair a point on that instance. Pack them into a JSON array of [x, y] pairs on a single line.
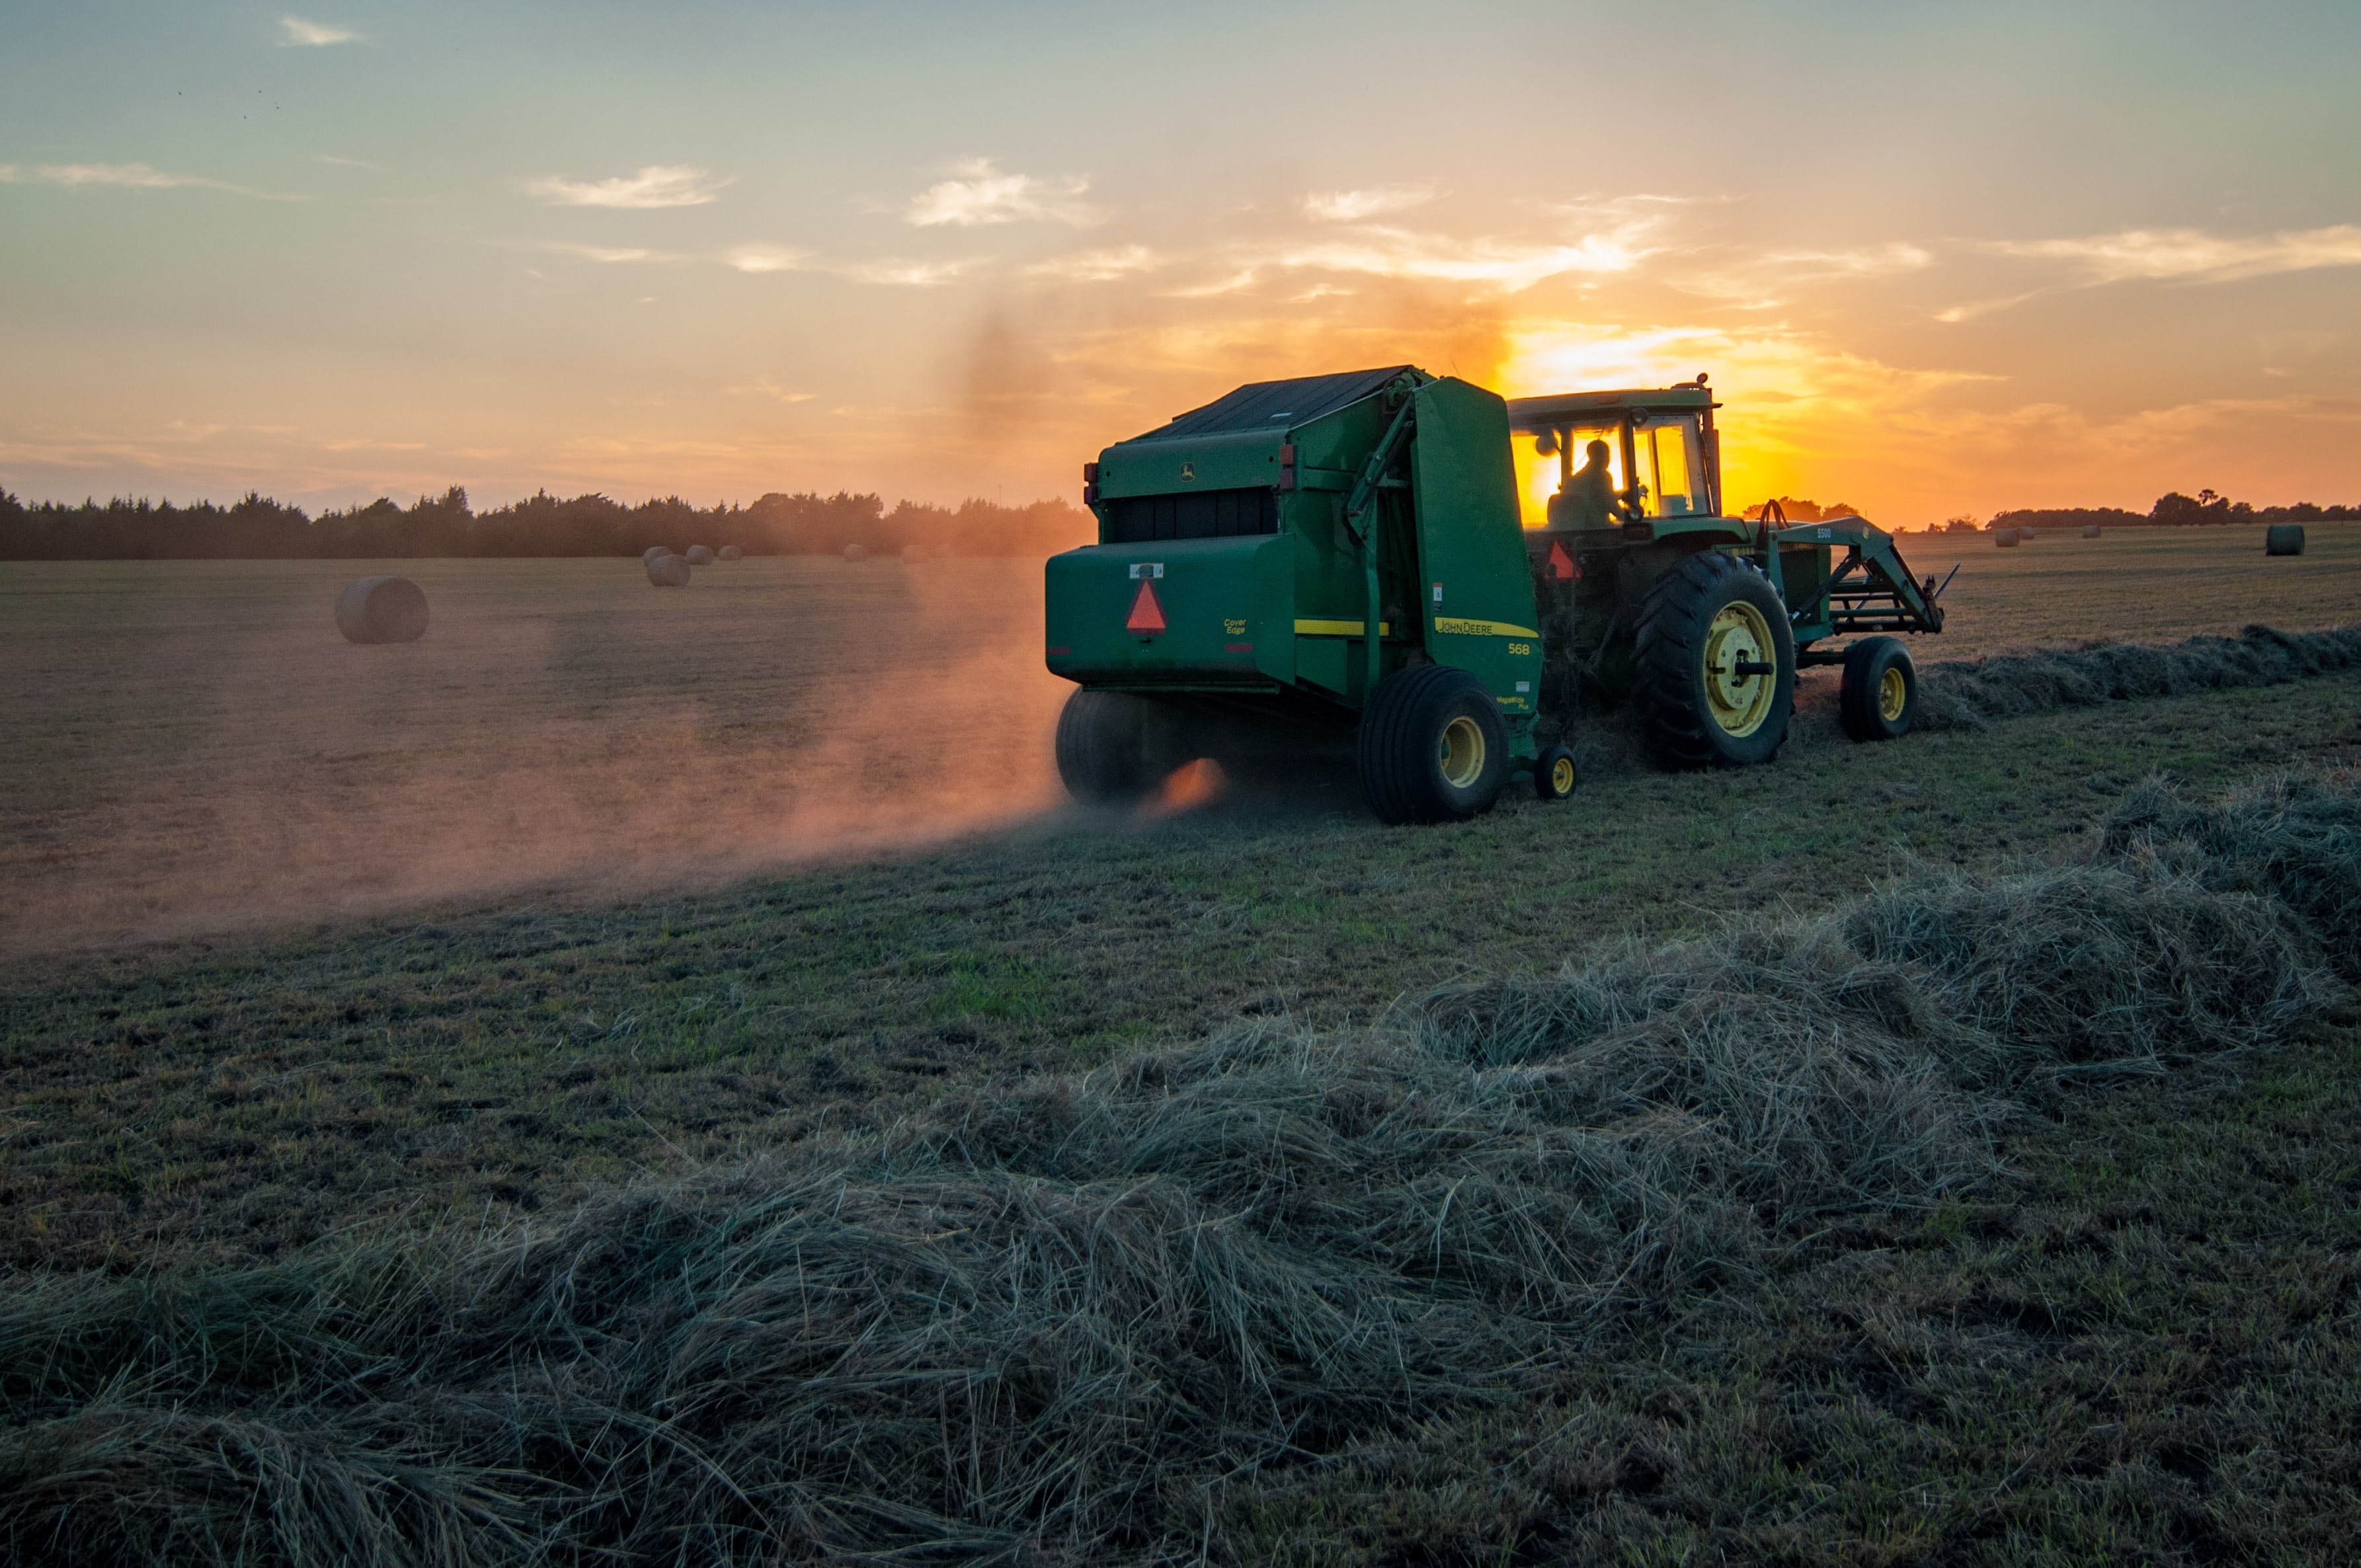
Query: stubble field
[[598, 886]]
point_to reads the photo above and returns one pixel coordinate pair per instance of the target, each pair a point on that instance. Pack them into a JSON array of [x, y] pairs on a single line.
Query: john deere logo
[[1188, 470]]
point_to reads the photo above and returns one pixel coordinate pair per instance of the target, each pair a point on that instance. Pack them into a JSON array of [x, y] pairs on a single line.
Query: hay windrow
[[1039, 1320], [1968, 694]]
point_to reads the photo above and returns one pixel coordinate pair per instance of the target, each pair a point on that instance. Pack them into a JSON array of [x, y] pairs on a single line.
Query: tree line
[[256, 527], [2173, 510]]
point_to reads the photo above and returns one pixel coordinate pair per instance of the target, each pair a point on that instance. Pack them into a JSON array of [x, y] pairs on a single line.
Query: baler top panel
[[1277, 406]]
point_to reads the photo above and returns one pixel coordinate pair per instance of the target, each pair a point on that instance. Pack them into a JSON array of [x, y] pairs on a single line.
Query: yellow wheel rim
[[1461, 752], [1562, 776], [1893, 691], [1740, 702]]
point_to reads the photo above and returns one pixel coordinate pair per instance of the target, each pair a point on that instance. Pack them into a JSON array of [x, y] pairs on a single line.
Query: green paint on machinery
[[1246, 548]]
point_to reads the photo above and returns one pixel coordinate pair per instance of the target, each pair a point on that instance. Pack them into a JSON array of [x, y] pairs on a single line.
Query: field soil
[[597, 884], [193, 747]]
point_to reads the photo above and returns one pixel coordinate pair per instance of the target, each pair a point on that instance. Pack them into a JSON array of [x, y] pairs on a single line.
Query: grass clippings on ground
[[1092, 1318]]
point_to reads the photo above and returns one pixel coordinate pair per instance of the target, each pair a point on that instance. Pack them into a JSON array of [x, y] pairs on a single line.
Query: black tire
[[1696, 714], [1879, 698], [1103, 745], [1554, 776], [1431, 747]]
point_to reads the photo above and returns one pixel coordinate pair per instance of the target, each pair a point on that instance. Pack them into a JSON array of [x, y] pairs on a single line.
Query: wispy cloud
[[610, 255], [346, 162], [2193, 254], [1868, 261], [892, 271], [979, 193], [768, 258], [127, 176], [763, 387], [1763, 279], [1097, 266], [1355, 206], [657, 185], [1952, 315], [297, 33], [1512, 265]]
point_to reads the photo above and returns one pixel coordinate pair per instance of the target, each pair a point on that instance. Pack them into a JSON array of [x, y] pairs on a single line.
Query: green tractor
[[1516, 558]]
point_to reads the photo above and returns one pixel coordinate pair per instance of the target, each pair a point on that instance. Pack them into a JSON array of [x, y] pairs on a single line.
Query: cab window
[[1671, 467]]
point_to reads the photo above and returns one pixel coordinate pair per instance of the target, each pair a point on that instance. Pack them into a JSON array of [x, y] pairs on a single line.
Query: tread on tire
[[1400, 753], [1676, 623]]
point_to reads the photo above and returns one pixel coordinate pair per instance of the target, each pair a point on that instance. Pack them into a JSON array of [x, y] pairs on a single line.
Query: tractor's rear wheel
[[1431, 747], [1717, 664], [1103, 745], [1879, 700]]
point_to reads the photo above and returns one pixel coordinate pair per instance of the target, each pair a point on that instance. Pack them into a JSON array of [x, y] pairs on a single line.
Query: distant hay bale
[[856, 553], [2005, 539], [913, 553], [698, 556], [2089, 531], [2283, 539], [381, 610], [668, 570], [652, 551], [729, 552]]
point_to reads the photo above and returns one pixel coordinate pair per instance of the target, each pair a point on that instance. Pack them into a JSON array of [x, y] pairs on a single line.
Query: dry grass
[[1040, 1320], [1970, 694], [2134, 584], [192, 748]]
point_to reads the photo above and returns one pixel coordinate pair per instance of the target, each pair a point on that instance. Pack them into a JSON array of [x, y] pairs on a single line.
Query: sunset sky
[[1938, 257]]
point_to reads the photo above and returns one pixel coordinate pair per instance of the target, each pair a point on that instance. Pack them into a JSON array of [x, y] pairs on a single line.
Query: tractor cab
[[1662, 456]]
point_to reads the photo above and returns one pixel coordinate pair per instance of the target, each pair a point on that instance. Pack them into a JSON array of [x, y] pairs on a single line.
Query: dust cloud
[[193, 750]]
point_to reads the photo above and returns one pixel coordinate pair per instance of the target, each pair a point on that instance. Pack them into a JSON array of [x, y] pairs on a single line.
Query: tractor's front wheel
[[1431, 747], [1717, 664], [1103, 745], [1879, 699]]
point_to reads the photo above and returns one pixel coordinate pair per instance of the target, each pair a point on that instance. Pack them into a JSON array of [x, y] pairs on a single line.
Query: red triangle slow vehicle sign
[[1146, 615]]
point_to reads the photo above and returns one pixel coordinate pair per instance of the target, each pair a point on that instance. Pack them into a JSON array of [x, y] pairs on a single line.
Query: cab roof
[[1530, 414]]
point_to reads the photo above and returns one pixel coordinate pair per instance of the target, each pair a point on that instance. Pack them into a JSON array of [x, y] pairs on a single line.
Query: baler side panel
[[1471, 543]]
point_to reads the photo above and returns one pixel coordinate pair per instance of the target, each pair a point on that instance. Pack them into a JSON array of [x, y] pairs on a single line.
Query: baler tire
[[1103, 745], [1879, 699], [1425, 722], [1680, 632], [1553, 773]]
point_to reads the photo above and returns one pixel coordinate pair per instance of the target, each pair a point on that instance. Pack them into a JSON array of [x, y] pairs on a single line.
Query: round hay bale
[[2283, 539], [652, 551], [729, 552], [2005, 538], [856, 553], [668, 570], [913, 553], [698, 556], [381, 610], [2089, 531]]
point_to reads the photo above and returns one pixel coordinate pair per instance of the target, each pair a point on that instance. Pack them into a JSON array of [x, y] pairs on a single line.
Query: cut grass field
[[2134, 1340]]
